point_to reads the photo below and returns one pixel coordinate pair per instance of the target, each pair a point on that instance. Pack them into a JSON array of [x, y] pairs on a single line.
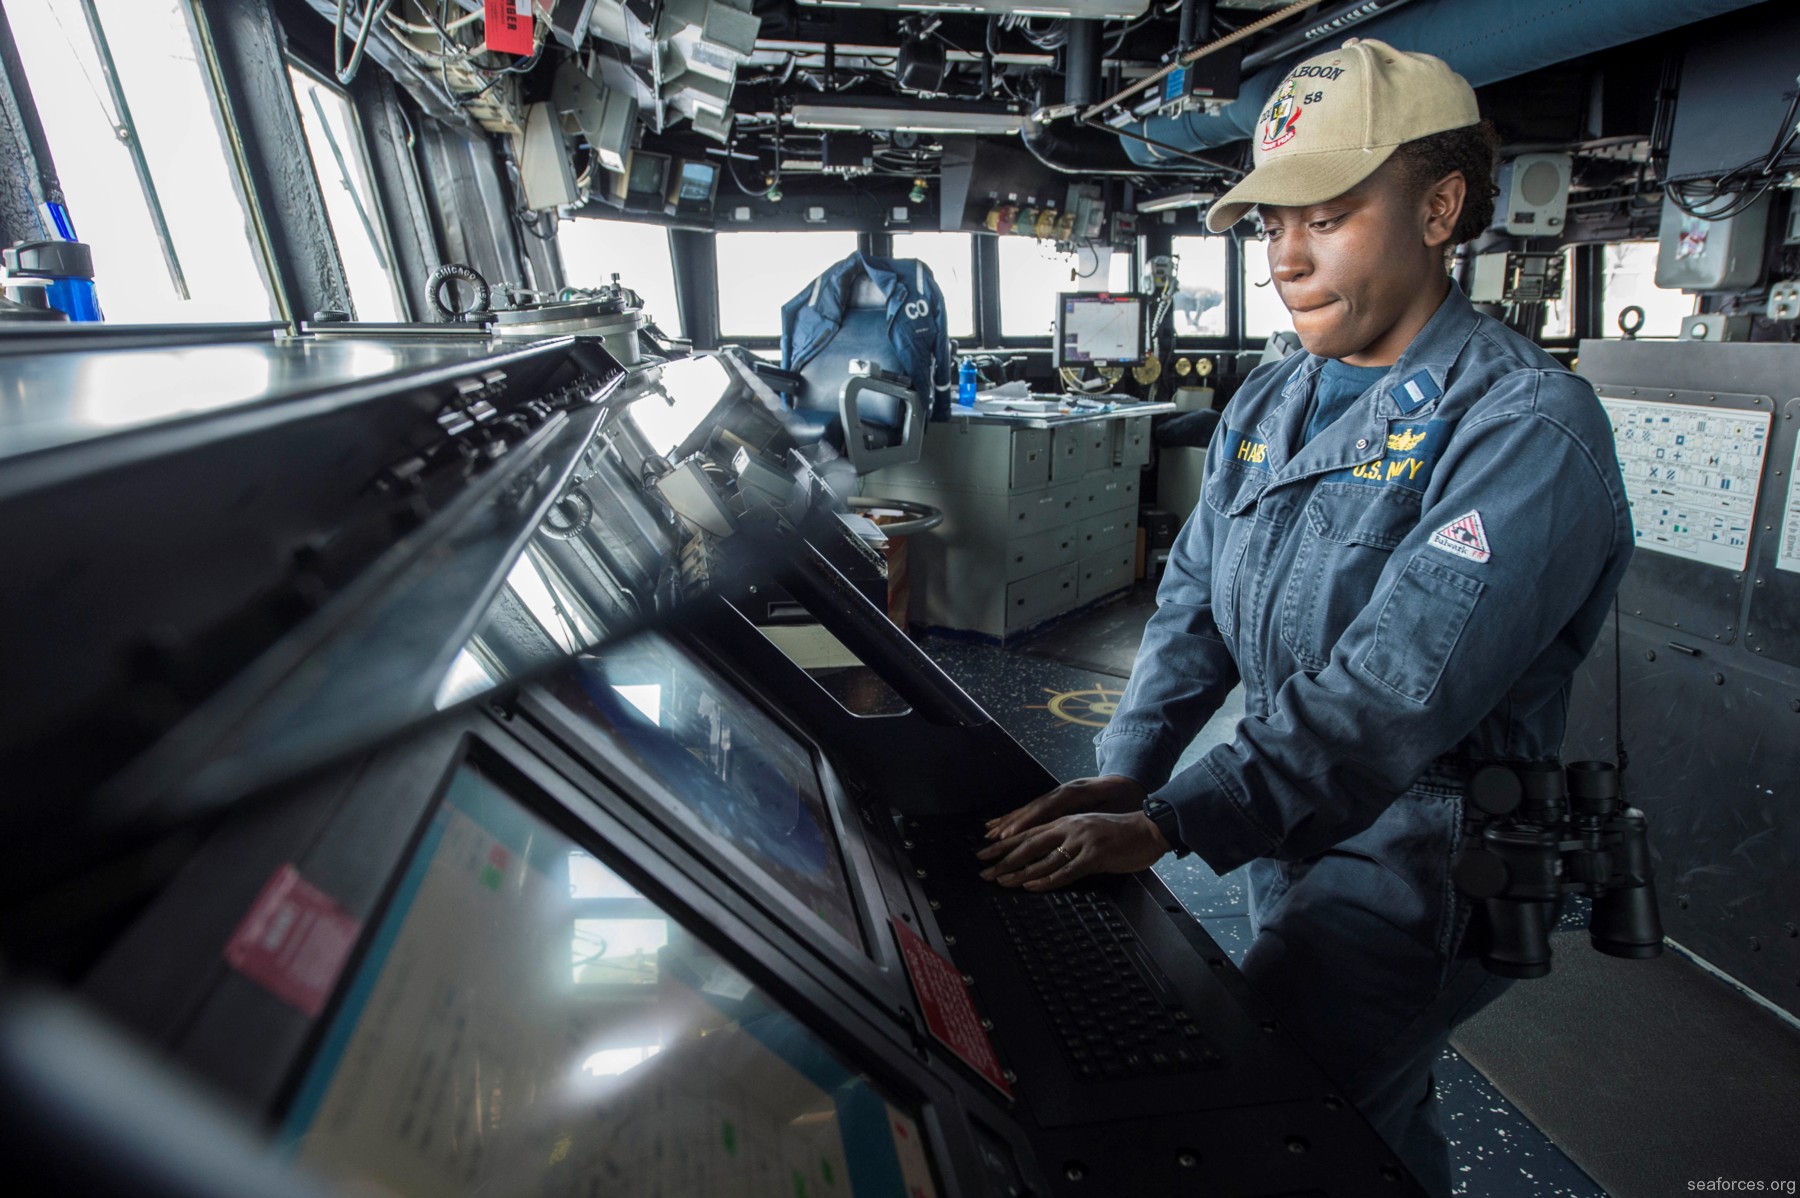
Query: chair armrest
[[778, 379], [912, 425]]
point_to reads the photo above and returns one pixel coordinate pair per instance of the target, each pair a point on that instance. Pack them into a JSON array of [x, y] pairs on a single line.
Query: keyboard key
[[1087, 968]]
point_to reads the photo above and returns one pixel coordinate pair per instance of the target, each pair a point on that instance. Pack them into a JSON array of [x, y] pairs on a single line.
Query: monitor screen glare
[[697, 179], [526, 1021], [737, 772]]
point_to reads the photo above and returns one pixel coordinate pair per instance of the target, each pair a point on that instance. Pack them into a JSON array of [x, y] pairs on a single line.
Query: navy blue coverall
[[1408, 591]]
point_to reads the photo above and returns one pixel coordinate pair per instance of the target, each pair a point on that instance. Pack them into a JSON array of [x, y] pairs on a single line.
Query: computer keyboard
[[1112, 1011]]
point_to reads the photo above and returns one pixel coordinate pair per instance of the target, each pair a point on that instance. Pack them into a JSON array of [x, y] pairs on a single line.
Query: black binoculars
[[1534, 832]]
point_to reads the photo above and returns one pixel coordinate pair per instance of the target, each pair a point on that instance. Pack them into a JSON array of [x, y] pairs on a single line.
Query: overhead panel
[[607, 118], [545, 172]]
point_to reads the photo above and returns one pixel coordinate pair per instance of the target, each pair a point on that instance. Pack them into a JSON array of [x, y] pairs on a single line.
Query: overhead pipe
[[1074, 149], [1498, 41], [1081, 63]]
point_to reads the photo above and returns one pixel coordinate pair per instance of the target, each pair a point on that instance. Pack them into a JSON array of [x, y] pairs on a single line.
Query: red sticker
[[949, 1012], [508, 26], [294, 941]]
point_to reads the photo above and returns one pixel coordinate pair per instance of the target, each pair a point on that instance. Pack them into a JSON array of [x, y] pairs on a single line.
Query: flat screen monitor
[[744, 780], [1099, 329], [695, 187], [527, 1021]]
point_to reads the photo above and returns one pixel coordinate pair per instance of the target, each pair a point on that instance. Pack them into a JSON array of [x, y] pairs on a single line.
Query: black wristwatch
[[1163, 816]]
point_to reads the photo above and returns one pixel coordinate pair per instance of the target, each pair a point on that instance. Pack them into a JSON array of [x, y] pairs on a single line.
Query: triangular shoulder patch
[[1465, 537]]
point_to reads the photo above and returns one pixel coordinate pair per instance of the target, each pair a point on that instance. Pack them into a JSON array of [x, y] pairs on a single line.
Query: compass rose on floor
[[1089, 708]]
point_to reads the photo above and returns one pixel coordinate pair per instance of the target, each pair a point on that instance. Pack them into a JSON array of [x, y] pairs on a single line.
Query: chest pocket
[[1231, 492], [1346, 538]]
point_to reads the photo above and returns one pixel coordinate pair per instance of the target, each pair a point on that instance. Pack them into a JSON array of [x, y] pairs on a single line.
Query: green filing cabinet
[[1037, 520]]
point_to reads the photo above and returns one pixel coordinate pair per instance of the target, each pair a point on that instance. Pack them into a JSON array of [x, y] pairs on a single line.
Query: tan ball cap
[[1337, 117]]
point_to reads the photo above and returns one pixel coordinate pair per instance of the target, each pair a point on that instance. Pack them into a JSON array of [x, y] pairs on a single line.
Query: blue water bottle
[[63, 271], [965, 383]]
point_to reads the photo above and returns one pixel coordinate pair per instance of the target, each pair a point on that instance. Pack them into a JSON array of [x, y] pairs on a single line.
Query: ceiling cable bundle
[[346, 71], [1738, 189]]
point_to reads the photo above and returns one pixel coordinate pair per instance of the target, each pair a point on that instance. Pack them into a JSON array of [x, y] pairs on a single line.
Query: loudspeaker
[[1534, 195]]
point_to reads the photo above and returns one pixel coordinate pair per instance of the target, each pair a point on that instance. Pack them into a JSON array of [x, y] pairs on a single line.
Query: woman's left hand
[[1057, 853]]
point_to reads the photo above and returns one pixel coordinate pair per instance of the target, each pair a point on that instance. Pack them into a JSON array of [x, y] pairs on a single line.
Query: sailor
[[1407, 541]]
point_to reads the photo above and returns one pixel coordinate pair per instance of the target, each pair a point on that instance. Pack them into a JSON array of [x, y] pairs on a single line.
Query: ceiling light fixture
[[866, 113], [1169, 201]]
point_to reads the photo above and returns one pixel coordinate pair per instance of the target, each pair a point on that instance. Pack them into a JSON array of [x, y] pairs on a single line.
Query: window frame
[[1234, 321], [884, 248], [669, 242], [384, 227], [1242, 279], [995, 336], [1606, 330], [41, 162], [758, 341]]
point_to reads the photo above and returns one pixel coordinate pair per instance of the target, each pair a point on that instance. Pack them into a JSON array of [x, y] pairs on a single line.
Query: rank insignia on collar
[[1415, 391]]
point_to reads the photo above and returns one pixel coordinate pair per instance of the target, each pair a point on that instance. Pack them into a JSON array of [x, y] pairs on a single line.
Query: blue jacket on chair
[[917, 326]]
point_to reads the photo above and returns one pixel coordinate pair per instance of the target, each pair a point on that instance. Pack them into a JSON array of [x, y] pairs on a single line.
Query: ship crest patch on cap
[[1284, 115]]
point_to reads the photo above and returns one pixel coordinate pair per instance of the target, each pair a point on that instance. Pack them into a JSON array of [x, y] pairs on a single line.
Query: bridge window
[[1264, 313], [595, 250], [341, 163], [1201, 293], [759, 272], [1033, 272], [951, 257], [207, 246], [1628, 276]]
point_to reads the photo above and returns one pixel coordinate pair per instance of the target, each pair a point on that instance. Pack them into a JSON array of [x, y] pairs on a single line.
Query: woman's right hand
[[1113, 793]]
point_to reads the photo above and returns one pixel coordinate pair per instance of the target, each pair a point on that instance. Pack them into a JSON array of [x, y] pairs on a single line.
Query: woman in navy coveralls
[[1407, 542]]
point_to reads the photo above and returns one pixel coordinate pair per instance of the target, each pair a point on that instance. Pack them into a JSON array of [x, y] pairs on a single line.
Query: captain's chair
[[852, 390]]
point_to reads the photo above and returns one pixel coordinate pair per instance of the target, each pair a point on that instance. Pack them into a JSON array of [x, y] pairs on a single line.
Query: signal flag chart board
[[1692, 474]]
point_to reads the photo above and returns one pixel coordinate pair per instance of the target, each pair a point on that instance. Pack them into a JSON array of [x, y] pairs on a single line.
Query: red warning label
[[508, 26], [949, 1012], [293, 942]]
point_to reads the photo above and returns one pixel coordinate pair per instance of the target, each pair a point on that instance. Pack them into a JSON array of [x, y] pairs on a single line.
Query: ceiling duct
[[1073, 149], [1484, 44]]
